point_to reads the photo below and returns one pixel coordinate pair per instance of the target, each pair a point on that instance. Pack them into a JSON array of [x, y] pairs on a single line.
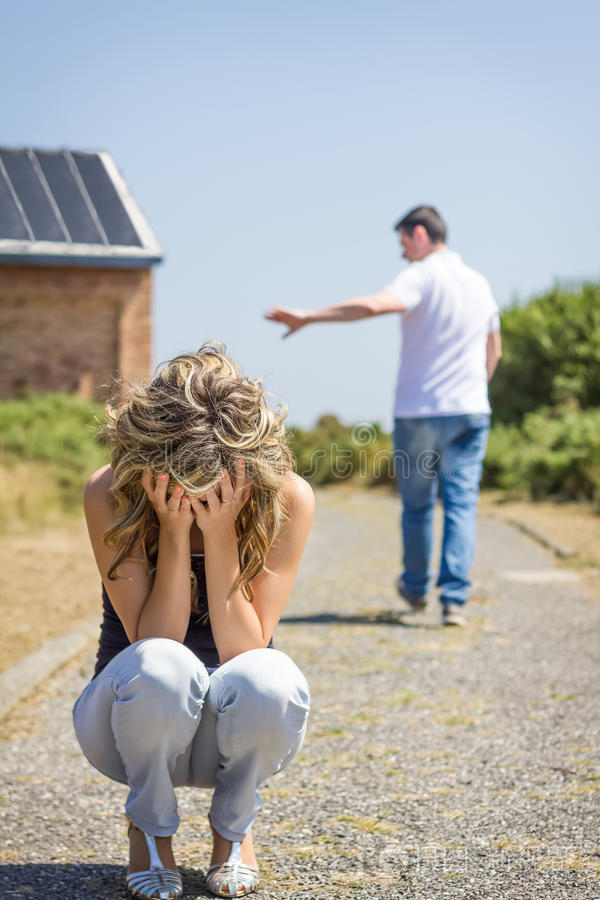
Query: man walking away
[[450, 348]]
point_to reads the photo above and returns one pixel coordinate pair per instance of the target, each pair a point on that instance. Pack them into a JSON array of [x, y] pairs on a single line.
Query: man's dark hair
[[429, 218]]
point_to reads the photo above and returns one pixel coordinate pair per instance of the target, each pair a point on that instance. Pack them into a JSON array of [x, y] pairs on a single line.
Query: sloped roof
[[70, 208]]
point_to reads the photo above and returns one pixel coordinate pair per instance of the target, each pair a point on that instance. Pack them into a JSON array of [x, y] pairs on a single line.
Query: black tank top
[[198, 637]]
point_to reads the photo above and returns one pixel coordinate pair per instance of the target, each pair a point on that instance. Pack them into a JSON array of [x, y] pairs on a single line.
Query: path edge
[[24, 676], [562, 551]]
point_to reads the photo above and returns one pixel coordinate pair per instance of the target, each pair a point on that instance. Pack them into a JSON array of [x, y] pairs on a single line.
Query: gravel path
[[439, 763]]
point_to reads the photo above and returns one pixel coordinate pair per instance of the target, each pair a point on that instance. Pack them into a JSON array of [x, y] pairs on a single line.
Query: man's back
[[449, 313]]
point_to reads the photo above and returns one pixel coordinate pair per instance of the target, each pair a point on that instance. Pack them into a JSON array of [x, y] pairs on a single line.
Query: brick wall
[[71, 329]]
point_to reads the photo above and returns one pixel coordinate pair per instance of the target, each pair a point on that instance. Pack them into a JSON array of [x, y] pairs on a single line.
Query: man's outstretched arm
[[348, 311]]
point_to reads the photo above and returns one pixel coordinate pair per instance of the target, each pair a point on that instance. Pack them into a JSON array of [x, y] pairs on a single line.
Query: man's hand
[[293, 318]]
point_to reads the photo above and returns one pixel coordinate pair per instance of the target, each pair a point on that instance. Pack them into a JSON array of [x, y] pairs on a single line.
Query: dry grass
[[369, 824], [29, 496], [572, 862], [48, 583]]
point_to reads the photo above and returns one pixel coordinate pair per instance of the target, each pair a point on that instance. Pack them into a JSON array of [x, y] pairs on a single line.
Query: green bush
[[551, 354], [332, 452], [58, 431], [545, 396], [555, 452]]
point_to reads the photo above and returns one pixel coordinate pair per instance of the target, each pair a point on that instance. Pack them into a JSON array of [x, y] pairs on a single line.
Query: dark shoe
[[452, 614], [416, 604]]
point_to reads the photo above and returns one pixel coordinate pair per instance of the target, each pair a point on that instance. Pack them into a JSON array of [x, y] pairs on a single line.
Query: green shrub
[[555, 452], [58, 431], [332, 452], [551, 354]]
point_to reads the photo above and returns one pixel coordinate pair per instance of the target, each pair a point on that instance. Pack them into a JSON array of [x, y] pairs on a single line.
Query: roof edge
[[77, 262], [139, 221], [49, 252]]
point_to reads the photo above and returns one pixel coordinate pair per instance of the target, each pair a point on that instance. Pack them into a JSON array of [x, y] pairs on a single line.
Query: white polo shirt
[[449, 313]]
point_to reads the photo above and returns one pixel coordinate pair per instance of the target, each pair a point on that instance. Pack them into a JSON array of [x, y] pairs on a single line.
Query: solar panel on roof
[[11, 221], [111, 212], [69, 199], [34, 200], [66, 208]]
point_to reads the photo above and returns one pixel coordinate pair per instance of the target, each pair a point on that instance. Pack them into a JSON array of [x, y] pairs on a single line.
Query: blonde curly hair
[[195, 417]]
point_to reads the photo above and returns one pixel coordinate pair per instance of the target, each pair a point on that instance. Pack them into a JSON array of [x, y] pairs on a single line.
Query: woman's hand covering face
[[174, 512], [217, 510]]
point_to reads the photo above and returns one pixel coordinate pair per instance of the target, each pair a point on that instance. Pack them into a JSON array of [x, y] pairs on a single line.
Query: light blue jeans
[[439, 456], [155, 718]]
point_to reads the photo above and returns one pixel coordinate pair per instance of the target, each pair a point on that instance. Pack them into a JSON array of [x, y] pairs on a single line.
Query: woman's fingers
[[198, 509], [157, 492], [227, 495], [213, 500], [175, 498], [160, 491], [226, 487]]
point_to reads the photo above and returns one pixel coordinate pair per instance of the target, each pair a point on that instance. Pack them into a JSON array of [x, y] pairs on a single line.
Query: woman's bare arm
[[238, 625], [146, 607], [161, 608], [273, 586]]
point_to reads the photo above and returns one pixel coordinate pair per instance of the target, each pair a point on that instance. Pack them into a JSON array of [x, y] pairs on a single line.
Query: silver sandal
[[232, 878], [157, 882]]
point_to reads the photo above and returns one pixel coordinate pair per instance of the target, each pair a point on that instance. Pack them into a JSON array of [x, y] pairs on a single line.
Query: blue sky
[[272, 146]]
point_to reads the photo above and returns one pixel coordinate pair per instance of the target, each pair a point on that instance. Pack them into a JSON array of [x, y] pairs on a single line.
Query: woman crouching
[[198, 526]]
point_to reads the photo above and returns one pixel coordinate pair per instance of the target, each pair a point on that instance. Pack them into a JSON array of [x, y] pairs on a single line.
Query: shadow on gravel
[[80, 882], [377, 617]]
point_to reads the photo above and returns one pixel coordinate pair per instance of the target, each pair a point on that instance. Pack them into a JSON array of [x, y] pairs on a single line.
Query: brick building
[[76, 259]]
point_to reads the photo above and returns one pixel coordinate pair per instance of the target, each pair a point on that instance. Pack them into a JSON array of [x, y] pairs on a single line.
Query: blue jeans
[[440, 455]]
